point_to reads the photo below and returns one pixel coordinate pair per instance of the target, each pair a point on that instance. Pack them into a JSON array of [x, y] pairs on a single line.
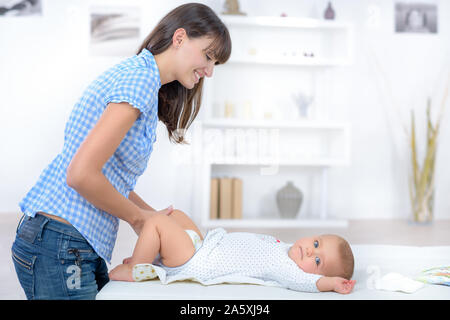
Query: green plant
[[421, 183], [421, 178]]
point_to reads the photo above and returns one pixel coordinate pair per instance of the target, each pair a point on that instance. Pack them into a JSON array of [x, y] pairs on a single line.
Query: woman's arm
[[84, 173], [133, 197]]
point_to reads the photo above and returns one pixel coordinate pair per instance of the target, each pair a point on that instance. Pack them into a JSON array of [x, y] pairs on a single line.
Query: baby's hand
[[342, 285]]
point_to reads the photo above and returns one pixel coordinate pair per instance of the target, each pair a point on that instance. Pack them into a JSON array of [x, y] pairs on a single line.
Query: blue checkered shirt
[[136, 81]]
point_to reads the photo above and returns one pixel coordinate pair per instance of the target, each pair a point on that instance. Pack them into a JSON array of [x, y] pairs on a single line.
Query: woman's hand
[[146, 214]]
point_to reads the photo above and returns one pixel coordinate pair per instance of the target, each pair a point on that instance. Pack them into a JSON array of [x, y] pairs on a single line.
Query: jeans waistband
[[54, 225]]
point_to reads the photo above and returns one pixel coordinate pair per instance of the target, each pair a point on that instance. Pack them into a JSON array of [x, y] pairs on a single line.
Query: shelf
[[282, 22], [306, 35], [280, 124], [275, 223], [329, 128], [301, 162], [283, 61]]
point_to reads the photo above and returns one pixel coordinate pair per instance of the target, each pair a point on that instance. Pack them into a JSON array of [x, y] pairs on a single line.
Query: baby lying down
[[172, 248]]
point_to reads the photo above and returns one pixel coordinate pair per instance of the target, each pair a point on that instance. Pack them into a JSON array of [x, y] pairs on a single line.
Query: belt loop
[[20, 222], [44, 222]]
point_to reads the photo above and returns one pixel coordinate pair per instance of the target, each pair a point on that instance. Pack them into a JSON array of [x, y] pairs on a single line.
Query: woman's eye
[[317, 260], [208, 57], [316, 244]]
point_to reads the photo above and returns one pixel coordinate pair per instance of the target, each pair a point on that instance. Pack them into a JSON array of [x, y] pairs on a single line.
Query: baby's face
[[317, 254]]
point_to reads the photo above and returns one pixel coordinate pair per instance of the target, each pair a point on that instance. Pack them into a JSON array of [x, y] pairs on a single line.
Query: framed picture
[[415, 18], [20, 8], [114, 31]]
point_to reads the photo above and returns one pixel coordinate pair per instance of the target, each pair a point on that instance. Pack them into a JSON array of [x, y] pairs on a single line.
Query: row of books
[[226, 198]]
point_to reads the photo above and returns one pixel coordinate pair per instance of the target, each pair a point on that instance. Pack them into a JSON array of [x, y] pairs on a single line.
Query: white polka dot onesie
[[237, 257]]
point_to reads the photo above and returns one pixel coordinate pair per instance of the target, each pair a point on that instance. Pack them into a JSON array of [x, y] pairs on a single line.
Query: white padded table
[[407, 260]]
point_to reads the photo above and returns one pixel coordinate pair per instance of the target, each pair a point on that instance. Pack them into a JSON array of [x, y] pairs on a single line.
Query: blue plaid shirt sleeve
[[135, 86]]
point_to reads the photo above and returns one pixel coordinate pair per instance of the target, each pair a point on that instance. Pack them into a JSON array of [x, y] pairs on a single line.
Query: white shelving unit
[[275, 223], [291, 48], [285, 39]]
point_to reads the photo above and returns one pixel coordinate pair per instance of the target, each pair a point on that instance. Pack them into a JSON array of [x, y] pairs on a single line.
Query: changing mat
[[409, 261]]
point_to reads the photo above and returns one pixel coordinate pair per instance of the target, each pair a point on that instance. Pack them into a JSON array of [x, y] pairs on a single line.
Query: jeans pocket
[[24, 265], [79, 262], [31, 228]]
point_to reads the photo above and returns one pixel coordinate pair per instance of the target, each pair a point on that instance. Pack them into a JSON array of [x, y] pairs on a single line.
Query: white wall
[[45, 66]]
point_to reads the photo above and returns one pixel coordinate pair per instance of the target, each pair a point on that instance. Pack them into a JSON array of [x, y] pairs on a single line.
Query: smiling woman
[[81, 195], [188, 41]]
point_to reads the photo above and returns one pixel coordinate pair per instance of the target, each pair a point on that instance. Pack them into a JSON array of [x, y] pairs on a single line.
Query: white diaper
[[196, 240], [147, 271]]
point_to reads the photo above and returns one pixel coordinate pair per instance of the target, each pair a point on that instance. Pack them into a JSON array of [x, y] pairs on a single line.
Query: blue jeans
[[54, 261]]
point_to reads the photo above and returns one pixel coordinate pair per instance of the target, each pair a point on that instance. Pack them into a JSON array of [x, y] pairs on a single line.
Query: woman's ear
[[178, 37]]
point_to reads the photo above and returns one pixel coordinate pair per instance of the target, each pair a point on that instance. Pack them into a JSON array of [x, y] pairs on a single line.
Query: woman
[[71, 215]]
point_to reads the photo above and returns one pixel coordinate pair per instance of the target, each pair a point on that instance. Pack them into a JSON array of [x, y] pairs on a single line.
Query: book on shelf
[[236, 210], [214, 199], [226, 198]]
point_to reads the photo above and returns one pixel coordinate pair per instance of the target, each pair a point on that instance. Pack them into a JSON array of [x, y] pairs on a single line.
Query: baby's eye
[[316, 244], [208, 57], [317, 260]]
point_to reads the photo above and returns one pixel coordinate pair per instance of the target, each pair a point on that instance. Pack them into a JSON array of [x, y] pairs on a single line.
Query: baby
[[172, 248]]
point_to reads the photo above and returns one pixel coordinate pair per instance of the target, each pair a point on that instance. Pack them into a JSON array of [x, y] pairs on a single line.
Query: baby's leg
[[164, 235], [185, 222]]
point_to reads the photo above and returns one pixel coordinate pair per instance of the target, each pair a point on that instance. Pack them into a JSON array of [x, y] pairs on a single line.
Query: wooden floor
[[392, 232]]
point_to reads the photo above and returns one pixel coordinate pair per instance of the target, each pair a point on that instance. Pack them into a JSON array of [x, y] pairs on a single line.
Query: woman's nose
[[209, 71]]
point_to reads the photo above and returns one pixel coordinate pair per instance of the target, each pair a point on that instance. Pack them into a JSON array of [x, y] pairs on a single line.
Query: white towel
[[392, 281]]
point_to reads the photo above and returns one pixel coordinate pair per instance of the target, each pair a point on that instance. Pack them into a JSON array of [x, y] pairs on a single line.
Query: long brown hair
[[177, 105]]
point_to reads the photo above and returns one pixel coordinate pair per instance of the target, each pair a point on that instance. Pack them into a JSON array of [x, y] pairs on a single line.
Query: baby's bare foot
[[123, 272]]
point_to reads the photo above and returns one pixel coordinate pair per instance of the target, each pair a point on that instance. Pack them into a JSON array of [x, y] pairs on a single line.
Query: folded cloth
[[397, 282], [392, 281]]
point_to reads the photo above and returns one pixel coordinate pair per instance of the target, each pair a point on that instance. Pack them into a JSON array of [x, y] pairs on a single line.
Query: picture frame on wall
[[114, 31], [416, 18], [16, 8]]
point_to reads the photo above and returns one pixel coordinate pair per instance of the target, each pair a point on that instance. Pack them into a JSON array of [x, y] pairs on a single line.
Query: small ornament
[[303, 103], [232, 8], [329, 12], [289, 200]]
